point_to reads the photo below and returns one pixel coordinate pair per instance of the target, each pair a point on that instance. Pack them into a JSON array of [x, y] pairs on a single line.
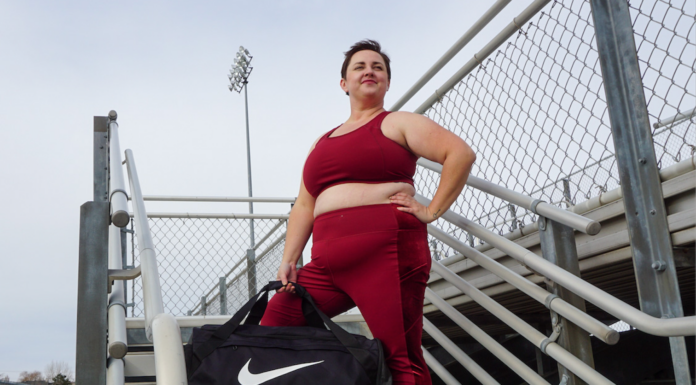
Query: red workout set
[[374, 257]]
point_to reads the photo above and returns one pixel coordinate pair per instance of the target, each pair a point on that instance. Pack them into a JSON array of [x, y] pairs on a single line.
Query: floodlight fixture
[[241, 70]]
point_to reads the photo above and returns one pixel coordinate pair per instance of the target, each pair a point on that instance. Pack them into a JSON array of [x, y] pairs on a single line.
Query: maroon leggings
[[375, 257]]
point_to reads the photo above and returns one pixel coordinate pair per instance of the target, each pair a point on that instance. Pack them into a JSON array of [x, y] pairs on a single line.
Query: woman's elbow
[[469, 155]]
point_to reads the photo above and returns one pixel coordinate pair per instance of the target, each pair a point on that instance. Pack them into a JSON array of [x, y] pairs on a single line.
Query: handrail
[[672, 327], [676, 118], [515, 25], [458, 354], [551, 301], [539, 340], [512, 362], [160, 328], [118, 341], [117, 185], [539, 207], [437, 367], [458, 45], [216, 216], [168, 198]]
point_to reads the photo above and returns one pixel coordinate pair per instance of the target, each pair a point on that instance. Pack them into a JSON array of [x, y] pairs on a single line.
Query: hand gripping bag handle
[[309, 309]]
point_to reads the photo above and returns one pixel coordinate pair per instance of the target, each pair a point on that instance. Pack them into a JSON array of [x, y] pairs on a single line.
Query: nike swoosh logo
[[247, 378]]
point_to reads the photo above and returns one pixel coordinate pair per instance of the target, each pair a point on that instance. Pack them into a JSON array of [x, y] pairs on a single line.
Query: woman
[[370, 244]]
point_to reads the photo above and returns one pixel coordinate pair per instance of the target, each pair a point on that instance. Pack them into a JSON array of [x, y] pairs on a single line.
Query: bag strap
[[258, 310], [348, 340], [309, 309], [225, 331]]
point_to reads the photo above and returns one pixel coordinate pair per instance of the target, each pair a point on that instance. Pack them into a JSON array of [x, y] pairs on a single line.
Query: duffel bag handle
[[257, 311], [311, 311]]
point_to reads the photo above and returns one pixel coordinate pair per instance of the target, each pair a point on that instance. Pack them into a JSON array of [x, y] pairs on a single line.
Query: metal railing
[[160, 327], [532, 104], [118, 345], [116, 313]]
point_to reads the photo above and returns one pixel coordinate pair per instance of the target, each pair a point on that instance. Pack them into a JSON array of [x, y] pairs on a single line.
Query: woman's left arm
[[429, 140]]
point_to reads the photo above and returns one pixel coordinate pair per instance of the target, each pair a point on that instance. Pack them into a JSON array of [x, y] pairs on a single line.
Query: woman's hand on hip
[[410, 205], [287, 272]]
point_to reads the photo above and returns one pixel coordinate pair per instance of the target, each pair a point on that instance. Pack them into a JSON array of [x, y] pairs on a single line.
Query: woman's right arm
[[300, 226], [299, 229]]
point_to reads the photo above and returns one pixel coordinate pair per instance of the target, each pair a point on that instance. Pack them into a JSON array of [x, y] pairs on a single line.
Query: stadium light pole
[[239, 78]]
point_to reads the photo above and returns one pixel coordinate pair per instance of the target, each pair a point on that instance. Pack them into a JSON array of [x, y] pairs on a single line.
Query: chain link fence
[[535, 111], [193, 254]]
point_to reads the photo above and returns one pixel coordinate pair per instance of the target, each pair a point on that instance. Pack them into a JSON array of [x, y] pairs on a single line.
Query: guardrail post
[[223, 296], [653, 258], [101, 159], [251, 271], [558, 246], [90, 354], [93, 269]]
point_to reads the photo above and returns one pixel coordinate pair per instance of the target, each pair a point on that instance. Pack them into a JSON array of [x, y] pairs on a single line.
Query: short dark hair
[[362, 45]]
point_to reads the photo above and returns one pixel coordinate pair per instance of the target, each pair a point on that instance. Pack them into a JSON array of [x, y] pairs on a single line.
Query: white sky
[[162, 65]]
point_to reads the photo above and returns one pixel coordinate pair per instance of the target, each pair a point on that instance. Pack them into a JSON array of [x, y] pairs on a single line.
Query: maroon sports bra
[[364, 155]]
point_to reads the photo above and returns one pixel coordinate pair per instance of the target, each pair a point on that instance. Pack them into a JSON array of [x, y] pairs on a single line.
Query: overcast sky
[[162, 66]]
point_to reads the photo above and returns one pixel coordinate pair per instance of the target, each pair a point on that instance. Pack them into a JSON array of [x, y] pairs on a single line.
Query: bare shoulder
[[314, 145], [403, 119], [396, 125]]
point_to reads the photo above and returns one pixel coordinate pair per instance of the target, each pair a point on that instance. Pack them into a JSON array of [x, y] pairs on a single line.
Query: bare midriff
[[358, 194]]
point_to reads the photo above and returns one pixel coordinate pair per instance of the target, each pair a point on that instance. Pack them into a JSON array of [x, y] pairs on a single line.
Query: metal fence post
[[204, 306], [251, 271], [223, 296], [653, 258], [92, 299], [101, 159], [90, 354], [558, 246]]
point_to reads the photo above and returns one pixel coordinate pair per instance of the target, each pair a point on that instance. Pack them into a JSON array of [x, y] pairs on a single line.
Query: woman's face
[[366, 75]]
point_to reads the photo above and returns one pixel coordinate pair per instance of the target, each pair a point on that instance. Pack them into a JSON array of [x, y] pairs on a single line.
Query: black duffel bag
[[250, 354]]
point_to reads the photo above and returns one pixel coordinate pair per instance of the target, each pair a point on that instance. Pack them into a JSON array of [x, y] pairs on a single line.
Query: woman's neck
[[359, 115]]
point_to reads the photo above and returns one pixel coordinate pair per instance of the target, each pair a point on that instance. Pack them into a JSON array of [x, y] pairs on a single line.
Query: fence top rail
[[514, 26], [577, 222], [170, 198], [675, 119], [216, 215], [454, 50]]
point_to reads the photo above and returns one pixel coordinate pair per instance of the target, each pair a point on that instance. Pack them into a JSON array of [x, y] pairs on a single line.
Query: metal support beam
[[251, 271], [558, 246], [204, 306], [90, 355], [223, 295], [101, 160], [653, 261]]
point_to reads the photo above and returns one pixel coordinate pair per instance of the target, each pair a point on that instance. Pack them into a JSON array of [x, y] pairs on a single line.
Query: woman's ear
[[343, 85]]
